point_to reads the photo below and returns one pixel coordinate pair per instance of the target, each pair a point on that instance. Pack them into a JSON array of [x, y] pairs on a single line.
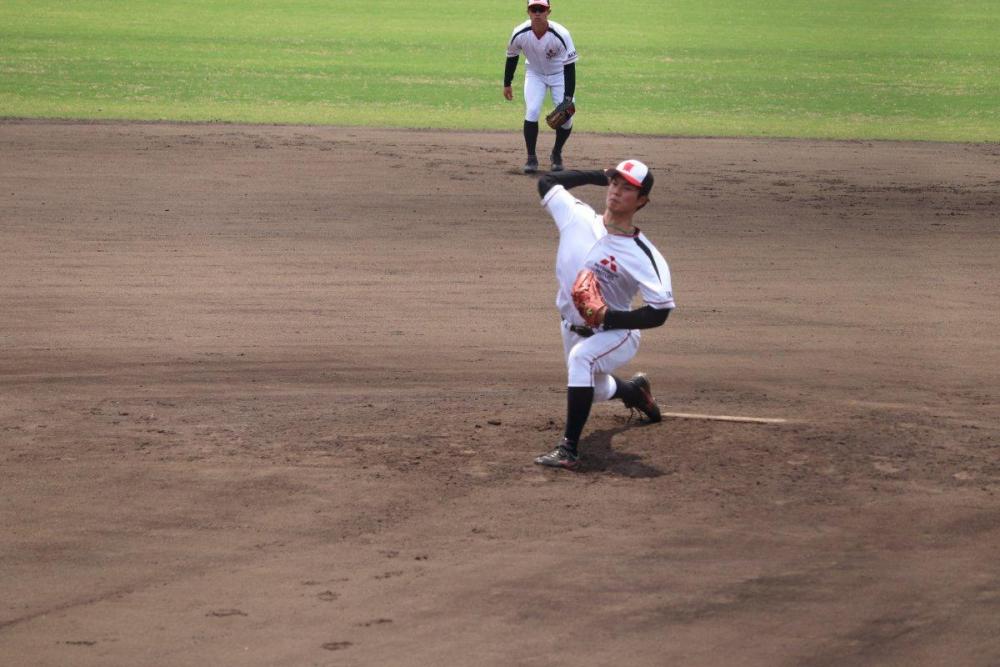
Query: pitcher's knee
[[604, 388]]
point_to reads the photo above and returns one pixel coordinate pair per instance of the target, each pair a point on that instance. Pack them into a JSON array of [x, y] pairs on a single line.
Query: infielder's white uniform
[[624, 266], [544, 62]]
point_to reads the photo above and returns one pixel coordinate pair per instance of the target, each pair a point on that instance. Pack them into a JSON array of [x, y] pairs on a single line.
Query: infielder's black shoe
[[557, 164], [645, 402], [531, 166], [560, 457]]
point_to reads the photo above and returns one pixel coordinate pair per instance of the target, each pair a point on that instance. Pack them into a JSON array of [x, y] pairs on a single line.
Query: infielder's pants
[[535, 87], [590, 361]]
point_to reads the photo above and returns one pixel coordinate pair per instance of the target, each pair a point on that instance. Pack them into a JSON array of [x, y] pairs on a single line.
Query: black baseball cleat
[[531, 165], [645, 404], [560, 457], [557, 164]]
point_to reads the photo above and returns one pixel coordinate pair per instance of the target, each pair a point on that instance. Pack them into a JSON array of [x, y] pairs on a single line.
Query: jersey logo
[[610, 263], [551, 53]]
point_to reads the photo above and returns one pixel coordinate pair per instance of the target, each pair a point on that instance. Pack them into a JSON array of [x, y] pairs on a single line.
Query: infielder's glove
[[562, 113], [587, 297]]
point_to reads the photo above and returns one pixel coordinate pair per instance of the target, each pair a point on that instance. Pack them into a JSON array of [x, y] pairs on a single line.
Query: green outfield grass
[[905, 69]]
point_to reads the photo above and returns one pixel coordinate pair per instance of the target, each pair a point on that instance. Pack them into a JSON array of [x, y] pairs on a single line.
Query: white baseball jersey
[[544, 56], [624, 265]]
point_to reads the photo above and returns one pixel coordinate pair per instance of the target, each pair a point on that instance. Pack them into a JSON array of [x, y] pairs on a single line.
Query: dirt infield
[[270, 396]]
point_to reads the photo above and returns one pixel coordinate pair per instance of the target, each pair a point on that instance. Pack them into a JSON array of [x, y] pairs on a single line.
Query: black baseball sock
[[626, 391], [578, 402], [561, 136], [530, 136]]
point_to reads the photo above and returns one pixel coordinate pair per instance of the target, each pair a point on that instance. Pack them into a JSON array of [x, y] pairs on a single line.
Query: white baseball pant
[[535, 87], [590, 361]]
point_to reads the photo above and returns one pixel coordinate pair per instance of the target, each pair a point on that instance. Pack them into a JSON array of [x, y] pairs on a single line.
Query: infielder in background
[[550, 66], [602, 262]]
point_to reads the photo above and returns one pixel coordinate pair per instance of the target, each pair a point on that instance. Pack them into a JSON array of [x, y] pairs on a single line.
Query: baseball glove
[[562, 113], [587, 298]]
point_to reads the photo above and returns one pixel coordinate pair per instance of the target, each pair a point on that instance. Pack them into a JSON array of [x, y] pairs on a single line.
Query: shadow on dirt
[[598, 457]]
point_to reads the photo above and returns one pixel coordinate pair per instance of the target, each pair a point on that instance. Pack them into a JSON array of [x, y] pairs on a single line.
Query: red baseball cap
[[636, 173], [543, 3]]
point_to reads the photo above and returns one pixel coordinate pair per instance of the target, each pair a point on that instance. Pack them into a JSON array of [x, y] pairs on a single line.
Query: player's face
[[623, 197], [539, 15]]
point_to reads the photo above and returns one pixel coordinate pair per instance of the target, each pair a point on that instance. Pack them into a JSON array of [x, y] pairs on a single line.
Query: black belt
[[581, 330]]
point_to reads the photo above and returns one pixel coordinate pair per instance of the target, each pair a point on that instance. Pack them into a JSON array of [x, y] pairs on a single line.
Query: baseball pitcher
[[602, 263]]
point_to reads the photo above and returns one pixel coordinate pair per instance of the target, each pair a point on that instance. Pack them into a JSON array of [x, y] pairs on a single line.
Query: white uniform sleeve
[[571, 55], [654, 280], [514, 43], [561, 205]]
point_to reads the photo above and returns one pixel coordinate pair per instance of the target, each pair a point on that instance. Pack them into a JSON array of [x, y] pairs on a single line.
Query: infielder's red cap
[[543, 3], [636, 173]]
